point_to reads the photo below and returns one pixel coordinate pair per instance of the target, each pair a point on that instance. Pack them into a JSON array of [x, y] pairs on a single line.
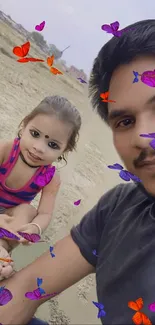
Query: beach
[[86, 176]]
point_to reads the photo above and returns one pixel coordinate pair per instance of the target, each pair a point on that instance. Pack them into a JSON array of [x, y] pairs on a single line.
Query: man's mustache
[[142, 157]]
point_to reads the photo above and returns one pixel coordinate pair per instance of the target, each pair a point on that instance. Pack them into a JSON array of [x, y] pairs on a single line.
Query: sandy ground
[[86, 177]]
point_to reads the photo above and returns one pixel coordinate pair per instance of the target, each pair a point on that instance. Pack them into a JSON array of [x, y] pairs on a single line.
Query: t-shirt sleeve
[[88, 232]]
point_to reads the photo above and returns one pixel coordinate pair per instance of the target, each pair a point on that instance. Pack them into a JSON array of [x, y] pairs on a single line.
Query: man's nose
[[141, 142]]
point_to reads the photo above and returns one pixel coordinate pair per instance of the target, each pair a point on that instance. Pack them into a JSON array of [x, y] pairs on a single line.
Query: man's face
[[135, 108]]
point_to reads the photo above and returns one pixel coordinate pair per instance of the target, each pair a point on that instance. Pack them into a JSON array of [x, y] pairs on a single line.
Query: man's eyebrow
[[151, 100], [117, 113]]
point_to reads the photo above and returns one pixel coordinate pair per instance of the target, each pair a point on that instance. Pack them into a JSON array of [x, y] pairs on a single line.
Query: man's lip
[[147, 163]]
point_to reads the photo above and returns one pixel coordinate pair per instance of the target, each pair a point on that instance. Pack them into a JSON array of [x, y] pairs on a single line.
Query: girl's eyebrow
[[46, 136]]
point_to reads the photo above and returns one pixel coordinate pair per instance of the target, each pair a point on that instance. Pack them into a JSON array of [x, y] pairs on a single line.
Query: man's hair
[[137, 41]]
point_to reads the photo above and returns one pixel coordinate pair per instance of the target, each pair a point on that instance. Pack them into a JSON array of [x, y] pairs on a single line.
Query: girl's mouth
[[33, 157]]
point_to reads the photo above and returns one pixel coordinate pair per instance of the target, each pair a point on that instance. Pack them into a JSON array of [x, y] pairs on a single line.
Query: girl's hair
[[65, 111], [138, 40]]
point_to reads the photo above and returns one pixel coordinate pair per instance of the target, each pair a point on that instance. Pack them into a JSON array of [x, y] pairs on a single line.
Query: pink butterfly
[[40, 27], [113, 29], [5, 297], [36, 295], [7, 234], [77, 202], [44, 179], [33, 238]]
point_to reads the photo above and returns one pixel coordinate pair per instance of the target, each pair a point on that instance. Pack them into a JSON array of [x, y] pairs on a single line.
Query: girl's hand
[[5, 225], [29, 229]]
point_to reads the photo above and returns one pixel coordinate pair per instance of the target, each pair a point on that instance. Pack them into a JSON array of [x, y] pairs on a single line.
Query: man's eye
[[125, 122]]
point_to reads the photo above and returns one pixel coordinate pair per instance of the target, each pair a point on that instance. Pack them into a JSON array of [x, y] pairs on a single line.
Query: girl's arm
[[59, 273], [46, 204]]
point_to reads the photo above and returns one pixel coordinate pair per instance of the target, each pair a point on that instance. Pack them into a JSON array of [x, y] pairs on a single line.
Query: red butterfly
[[139, 317], [50, 61], [22, 52], [105, 96]]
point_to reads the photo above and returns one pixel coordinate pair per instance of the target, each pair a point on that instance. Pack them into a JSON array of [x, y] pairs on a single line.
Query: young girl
[[45, 135]]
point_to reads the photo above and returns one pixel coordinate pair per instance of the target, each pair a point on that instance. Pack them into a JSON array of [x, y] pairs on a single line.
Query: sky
[[77, 22]]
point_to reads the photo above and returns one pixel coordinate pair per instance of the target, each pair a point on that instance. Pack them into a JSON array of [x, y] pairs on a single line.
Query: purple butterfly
[[100, 306], [33, 238], [113, 29], [36, 295], [95, 253], [150, 135], [51, 250], [5, 297], [152, 307], [77, 202], [124, 174], [82, 81], [40, 27], [8, 234], [44, 179], [147, 77]]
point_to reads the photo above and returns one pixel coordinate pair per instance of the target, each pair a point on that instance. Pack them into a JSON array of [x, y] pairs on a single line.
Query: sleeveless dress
[[13, 197]]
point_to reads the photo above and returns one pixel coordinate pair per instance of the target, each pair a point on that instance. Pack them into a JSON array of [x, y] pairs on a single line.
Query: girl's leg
[[16, 218]]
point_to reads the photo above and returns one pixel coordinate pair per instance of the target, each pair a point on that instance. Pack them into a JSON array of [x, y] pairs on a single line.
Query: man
[[121, 227]]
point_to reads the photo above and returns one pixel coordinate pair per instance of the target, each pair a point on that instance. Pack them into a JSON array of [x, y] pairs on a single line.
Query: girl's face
[[44, 139]]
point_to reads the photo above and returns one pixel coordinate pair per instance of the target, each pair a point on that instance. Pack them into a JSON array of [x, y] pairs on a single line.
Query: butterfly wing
[[23, 50], [98, 305], [39, 282], [124, 175], [5, 297], [146, 320], [137, 318], [133, 305], [34, 238], [55, 71], [136, 76], [115, 26], [8, 234], [107, 28], [77, 202], [101, 313], [148, 135], [51, 250], [42, 291], [49, 295], [34, 295], [134, 177], [40, 27], [152, 144], [115, 166], [50, 60], [117, 33]]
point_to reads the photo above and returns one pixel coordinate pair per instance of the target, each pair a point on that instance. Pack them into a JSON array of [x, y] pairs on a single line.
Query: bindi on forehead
[[46, 136]]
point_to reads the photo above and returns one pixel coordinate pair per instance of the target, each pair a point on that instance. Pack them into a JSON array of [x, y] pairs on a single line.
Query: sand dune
[[22, 87]]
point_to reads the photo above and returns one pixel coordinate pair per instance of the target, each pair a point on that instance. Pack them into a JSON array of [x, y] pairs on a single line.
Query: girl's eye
[[34, 133], [53, 145], [124, 123]]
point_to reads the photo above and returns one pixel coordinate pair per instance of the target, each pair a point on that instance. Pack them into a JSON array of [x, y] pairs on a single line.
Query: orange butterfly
[[50, 61], [139, 317], [105, 96], [22, 52], [5, 259]]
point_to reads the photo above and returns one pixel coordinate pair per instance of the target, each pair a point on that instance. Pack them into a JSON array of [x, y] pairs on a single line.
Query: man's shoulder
[[119, 193]]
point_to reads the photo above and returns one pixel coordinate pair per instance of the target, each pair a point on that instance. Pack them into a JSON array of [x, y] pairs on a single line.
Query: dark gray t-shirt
[[121, 227]]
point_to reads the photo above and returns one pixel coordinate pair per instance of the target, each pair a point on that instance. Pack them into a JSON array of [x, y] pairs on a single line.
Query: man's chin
[[149, 185]]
